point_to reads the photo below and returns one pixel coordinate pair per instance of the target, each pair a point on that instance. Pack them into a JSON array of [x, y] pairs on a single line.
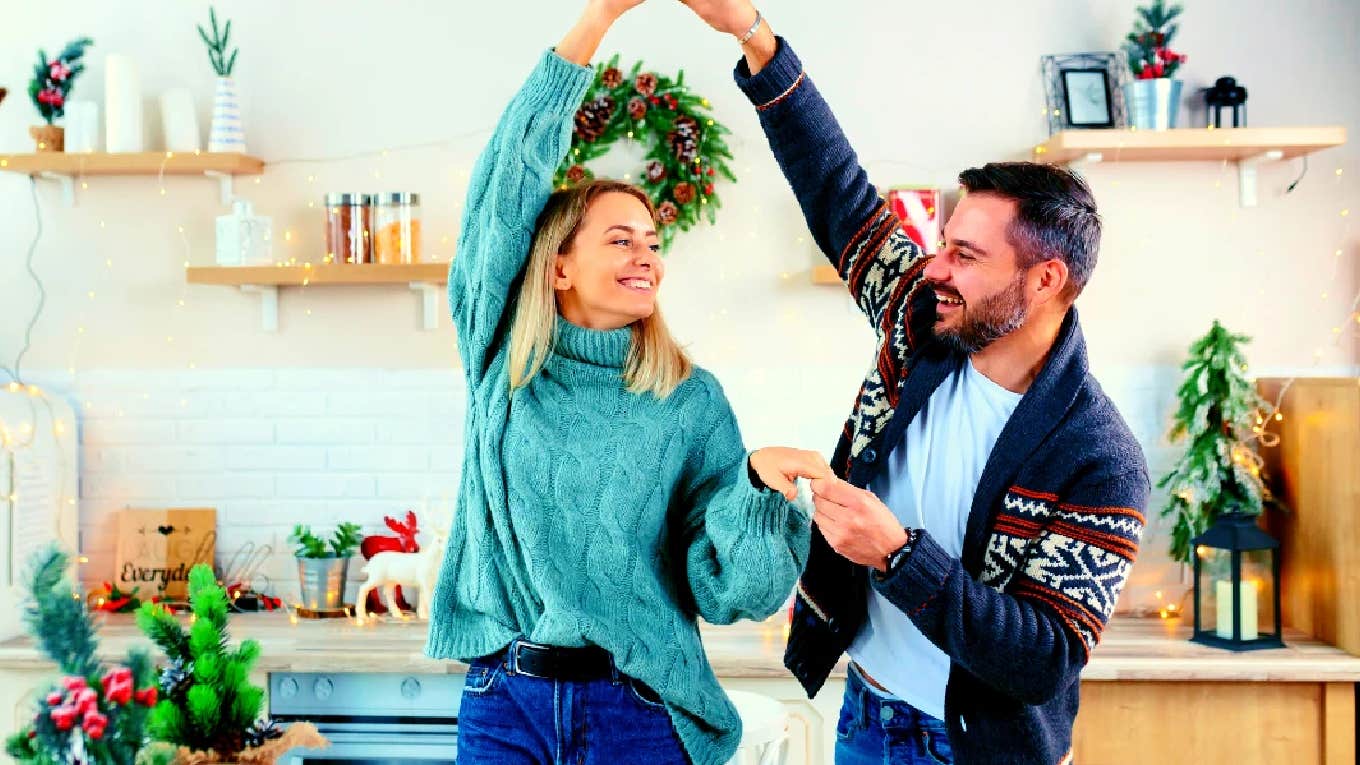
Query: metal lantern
[[1237, 585], [1226, 93]]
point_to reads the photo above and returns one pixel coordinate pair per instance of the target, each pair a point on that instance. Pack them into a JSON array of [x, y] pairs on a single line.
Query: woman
[[607, 500]]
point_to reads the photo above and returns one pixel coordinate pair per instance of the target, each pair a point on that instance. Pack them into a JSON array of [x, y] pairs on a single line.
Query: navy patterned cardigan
[[1056, 520]]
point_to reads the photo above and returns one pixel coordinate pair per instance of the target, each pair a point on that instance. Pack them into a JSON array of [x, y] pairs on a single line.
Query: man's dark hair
[[1055, 214]]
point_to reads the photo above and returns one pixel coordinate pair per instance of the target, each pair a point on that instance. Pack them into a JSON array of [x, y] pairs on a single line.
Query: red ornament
[[146, 696], [670, 101], [54, 698], [73, 683], [118, 685], [85, 700], [64, 717], [710, 171], [58, 71], [708, 188], [94, 725]]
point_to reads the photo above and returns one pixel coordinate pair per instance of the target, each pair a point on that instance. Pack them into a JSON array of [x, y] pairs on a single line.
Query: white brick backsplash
[[270, 448], [385, 457], [324, 431], [378, 404], [168, 459], [233, 430], [275, 458], [324, 486], [225, 486], [416, 487], [125, 430]]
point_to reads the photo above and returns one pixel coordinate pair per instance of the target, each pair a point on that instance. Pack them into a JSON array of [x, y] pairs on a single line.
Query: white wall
[[922, 89]]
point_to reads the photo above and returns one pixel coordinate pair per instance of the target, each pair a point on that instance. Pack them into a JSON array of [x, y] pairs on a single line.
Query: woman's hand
[[779, 466], [580, 43], [733, 17]]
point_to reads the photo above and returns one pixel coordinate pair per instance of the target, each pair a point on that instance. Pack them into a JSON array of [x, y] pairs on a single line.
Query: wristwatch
[[901, 554]]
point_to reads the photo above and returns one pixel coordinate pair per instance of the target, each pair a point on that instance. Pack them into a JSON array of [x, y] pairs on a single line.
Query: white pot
[[227, 134]]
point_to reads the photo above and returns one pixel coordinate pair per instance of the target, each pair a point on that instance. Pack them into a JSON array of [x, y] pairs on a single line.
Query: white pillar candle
[[82, 127], [123, 104], [1247, 593], [179, 121]]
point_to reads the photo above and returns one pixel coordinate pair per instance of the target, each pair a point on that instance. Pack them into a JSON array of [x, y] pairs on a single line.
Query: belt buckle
[[515, 654]]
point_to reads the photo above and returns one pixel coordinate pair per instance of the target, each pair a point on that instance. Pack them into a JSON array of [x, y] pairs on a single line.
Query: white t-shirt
[[928, 481]]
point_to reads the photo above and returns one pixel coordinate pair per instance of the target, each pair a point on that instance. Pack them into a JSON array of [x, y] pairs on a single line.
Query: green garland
[[685, 149]]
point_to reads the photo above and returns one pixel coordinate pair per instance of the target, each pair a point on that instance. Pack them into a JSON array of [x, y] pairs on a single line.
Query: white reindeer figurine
[[417, 569]]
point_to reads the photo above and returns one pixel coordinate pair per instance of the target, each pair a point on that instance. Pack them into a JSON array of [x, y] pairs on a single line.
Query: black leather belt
[[554, 663]]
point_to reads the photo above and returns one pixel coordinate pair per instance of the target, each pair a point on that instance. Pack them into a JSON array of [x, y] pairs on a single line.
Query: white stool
[[765, 730]]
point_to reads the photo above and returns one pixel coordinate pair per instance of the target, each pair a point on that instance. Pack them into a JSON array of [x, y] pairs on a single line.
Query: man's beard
[[988, 320]]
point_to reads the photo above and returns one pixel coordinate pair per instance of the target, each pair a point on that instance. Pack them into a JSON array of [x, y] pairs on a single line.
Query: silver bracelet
[[755, 27]]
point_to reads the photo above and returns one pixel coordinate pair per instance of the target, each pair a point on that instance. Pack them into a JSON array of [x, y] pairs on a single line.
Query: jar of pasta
[[396, 228]]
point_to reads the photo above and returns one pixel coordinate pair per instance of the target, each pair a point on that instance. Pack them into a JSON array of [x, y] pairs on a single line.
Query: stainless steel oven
[[371, 718]]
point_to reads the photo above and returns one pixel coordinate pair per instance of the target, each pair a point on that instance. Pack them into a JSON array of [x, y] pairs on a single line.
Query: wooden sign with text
[[156, 549]]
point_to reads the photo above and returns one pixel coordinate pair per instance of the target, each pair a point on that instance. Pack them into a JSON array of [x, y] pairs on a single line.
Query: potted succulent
[[1154, 96], [323, 566], [50, 87]]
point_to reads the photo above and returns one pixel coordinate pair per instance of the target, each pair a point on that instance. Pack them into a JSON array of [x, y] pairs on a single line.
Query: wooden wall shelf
[[1247, 147], [427, 279], [67, 168]]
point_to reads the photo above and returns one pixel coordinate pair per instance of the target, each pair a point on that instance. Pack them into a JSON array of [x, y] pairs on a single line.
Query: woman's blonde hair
[[656, 363]]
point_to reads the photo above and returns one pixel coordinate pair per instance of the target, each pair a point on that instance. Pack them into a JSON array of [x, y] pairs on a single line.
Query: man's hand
[[733, 17], [779, 466], [855, 523]]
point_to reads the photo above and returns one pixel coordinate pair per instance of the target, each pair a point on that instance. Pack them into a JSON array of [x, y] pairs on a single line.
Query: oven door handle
[[388, 746]]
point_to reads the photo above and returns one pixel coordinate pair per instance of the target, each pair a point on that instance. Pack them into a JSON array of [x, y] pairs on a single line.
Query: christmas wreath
[[685, 149]]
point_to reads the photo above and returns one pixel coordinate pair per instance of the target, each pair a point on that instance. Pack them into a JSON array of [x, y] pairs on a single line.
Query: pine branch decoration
[[222, 64], [1220, 416]]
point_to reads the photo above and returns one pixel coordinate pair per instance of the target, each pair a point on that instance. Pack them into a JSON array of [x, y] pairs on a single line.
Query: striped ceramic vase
[[227, 134]]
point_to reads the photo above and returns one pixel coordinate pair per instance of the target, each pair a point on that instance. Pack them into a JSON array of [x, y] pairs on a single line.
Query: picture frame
[[1083, 91]]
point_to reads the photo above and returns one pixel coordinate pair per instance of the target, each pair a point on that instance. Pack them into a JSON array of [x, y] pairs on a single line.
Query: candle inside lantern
[[1247, 594]]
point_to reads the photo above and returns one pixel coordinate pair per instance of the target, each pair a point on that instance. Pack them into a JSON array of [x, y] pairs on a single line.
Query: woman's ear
[[562, 271]]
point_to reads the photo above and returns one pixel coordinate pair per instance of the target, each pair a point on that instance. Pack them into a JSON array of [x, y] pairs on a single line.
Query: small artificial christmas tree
[[96, 714], [1220, 415], [209, 702], [1148, 46]]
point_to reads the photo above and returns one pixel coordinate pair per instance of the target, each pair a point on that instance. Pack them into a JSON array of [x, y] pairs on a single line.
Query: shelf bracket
[[429, 303], [1246, 175], [269, 305], [224, 184], [68, 185]]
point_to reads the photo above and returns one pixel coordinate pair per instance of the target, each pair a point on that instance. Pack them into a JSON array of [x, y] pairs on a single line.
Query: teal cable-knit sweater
[[588, 514]]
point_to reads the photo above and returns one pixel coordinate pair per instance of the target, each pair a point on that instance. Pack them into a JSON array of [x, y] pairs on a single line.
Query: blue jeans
[[513, 719], [876, 729]]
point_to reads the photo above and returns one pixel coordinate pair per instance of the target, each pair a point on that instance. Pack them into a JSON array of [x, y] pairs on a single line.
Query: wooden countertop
[[1132, 649]]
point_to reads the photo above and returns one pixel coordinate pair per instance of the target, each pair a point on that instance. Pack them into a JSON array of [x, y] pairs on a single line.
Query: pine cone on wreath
[[667, 213], [684, 193], [576, 174], [656, 172], [637, 108], [612, 78], [684, 139], [593, 117], [646, 84]]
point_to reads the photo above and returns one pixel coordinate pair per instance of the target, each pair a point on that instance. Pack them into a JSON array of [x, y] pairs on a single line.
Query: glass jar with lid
[[396, 228], [348, 228]]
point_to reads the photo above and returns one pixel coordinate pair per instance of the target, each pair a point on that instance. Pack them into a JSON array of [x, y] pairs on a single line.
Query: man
[[970, 584]]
